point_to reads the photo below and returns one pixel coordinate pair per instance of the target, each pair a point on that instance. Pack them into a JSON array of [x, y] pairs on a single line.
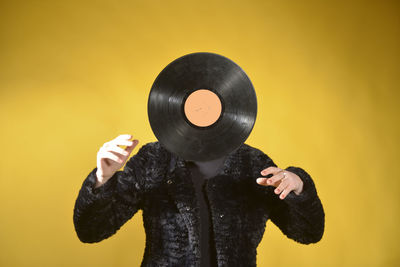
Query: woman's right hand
[[111, 157]]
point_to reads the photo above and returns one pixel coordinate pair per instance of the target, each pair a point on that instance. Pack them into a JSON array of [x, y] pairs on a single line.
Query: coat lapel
[[181, 190]]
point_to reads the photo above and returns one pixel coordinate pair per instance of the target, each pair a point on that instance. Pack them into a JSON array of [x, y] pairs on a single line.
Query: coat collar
[[231, 165]]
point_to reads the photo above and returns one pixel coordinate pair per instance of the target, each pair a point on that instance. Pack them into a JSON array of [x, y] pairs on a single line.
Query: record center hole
[[202, 107]]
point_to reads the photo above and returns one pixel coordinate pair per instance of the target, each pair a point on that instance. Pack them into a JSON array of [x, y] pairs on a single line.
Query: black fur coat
[[158, 182]]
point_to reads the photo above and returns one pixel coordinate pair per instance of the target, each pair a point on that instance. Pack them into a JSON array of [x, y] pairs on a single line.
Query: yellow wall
[[74, 74]]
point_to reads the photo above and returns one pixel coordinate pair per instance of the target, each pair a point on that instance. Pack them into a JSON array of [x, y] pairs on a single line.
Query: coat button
[[221, 215], [187, 208], [169, 181]]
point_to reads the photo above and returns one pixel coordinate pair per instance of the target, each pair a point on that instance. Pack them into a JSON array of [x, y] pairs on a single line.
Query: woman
[[196, 213]]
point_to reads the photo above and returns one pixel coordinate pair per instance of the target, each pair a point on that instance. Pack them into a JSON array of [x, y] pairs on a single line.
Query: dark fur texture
[[158, 182]]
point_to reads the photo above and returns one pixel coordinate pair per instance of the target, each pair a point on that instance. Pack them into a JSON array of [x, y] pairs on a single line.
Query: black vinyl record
[[177, 81]]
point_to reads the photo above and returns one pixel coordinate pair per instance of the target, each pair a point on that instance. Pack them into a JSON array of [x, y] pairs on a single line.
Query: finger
[[284, 183], [270, 170], [130, 148], [286, 191], [109, 155], [262, 181], [123, 137], [121, 142], [117, 149], [276, 178]]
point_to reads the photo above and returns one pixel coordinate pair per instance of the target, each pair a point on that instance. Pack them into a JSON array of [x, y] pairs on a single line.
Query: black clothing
[[159, 183], [200, 172]]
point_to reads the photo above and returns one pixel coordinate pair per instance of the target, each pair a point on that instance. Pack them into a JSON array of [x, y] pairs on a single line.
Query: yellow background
[[75, 74]]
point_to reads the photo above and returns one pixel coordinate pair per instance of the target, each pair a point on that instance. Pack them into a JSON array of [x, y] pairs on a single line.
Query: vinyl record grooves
[[202, 106]]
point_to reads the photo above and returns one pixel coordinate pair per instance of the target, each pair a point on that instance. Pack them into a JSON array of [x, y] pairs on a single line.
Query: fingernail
[[261, 180], [277, 190]]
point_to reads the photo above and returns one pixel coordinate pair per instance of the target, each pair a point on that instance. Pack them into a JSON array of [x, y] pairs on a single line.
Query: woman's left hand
[[283, 180]]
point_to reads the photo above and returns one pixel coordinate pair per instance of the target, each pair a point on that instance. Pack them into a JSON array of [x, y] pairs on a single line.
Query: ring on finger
[[284, 176]]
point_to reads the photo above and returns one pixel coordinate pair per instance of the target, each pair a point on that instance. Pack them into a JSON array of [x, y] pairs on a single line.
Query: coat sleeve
[[300, 217], [100, 212]]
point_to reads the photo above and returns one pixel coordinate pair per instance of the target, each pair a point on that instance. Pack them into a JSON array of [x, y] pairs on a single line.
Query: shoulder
[[153, 153], [154, 147], [251, 151], [151, 157], [256, 155], [156, 150]]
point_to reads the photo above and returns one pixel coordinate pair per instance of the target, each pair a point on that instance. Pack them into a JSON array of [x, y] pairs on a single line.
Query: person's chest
[[172, 208]]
